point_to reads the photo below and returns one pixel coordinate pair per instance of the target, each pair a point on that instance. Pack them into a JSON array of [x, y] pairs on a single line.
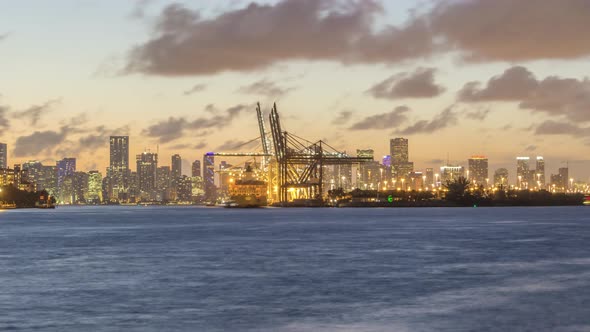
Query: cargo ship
[[247, 192]]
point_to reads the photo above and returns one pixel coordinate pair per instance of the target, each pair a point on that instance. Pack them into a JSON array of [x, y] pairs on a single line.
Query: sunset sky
[[502, 78]]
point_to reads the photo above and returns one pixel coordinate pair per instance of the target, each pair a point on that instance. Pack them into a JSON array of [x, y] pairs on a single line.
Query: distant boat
[[587, 200]]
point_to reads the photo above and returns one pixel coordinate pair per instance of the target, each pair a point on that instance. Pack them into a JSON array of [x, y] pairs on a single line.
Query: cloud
[[384, 120], [3, 36], [39, 141], [34, 112], [173, 128], [531, 148], [553, 95], [4, 123], [478, 115], [418, 84], [508, 30], [551, 127], [196, 88], [342, 118], [197, 146], [167, 130], [184, 42], [441, 121], [234, 145], [264, 88], [259, 36]]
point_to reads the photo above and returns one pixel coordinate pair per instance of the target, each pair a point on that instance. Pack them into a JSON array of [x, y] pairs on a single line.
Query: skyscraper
[[3, 156], [196, 169], [398, 149], [209, 176], [94, 192], [522, 172], [478, 170], [147, 164], [65, 179], [540, 173], [175, 174], [401, 167], [163, 182], [118, 172]]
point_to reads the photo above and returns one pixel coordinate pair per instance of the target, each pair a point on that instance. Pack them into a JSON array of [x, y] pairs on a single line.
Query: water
[[211, 269]]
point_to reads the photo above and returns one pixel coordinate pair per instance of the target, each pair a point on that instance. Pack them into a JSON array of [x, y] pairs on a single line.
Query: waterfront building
[[65, 168], [209, 176], [522, 172], [451, 172], [429, 182], [118, 171], [175, 174], [33, 171], [94, 193], [3, 155], [163, 183], [343, 176], [147, 165], [540, 173], [81, 180], [416, 181], [401, 167], [196, 168], [478, 170], [184, 189]]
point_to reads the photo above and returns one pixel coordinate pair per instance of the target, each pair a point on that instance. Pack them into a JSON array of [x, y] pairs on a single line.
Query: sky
[[502, 78]]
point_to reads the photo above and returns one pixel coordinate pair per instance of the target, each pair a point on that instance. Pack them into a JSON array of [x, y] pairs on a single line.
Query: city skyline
[[479, 99]]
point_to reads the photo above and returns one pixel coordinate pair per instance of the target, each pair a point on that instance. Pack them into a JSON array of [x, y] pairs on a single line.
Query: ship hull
[[248, 201]]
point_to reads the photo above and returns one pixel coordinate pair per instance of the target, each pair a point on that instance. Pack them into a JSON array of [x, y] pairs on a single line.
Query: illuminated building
[[401, 167], [209, 176], [80, 186], [416, 181], [175, 174], [365, 153], [184, 189], [196, 168], [197, 188], [34, 170], [65, 169], [429, 178], [522, 172], [147, 165], [48, 180], [163, 183], [118, 171], [3, 155], [224, 176], [450, 173], [540, 173], [478, 170], [343, 176], [94, 192], [501, 177]]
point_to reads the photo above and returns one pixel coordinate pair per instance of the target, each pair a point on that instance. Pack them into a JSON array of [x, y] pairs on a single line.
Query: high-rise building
[[209, 176], [163, 182], [429, 178], [34, 171], [48, 180], [3, 156], [118, 172], [451, 172], [501, 177], [540, 173], [343, 176], [147, 165], [401, 166], [184, 189], [196, 169], [80, 186], [564, 176], [65, 169], [94, 192], [478, 170], [522, 172], [398, 149]]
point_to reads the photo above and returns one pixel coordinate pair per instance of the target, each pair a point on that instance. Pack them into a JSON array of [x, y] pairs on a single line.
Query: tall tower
[[118, 171], [196, 169], [3, 156], [478, 170], [540, 173], [65, 170], [401, 166], [522, 172], [209, 176], [147, 165]]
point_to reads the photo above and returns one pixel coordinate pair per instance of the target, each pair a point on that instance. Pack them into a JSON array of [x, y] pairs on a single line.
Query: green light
[[390, 198], [474, 205]]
